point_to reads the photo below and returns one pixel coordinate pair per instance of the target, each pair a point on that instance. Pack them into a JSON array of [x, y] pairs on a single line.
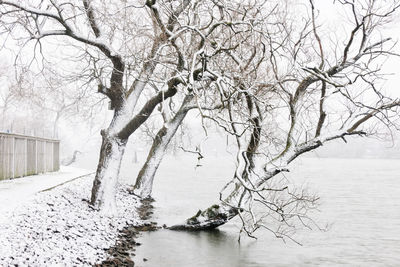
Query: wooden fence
[[22, 155]]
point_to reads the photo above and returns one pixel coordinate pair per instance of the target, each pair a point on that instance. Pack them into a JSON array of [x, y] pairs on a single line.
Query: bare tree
[[167, 48], [112, 52], [14, 97], [8, 93], [272, 81], [305, 91]]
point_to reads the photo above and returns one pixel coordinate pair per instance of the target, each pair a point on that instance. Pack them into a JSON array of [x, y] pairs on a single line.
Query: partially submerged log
[[208, 219]]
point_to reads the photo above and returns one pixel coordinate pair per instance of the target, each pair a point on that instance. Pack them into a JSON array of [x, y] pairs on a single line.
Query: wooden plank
[[56, 156], [13, 156], [9, 157], [31, 157], [2, 159], [40, 157], [49, 156], [19, 157]]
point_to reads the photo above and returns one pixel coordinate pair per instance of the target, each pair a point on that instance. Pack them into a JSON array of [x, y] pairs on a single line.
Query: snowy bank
[[58, 227]]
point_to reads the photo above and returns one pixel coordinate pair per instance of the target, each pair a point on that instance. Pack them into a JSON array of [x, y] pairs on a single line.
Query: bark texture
[[144, 182], [105, 182]]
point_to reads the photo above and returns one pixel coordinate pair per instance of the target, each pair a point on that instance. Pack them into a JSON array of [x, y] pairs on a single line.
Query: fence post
[[52, 156], [13, 157], [36, 156], [2, 157], [26, 156], [44, 155]]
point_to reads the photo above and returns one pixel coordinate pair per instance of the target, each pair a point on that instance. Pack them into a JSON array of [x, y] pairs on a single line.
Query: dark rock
[[120, 253]]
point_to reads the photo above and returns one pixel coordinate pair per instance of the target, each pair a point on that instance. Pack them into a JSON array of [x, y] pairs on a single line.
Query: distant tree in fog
[[8, 96], [34, 103]]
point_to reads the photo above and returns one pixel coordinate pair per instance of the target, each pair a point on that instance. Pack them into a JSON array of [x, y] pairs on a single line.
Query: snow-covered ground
[[57, 226], [16, 192]]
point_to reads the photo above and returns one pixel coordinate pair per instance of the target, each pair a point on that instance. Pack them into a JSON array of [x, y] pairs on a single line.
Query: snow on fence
[[22, 155]]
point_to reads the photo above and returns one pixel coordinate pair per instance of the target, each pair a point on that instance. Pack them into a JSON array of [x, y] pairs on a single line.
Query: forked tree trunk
[[144, 182], [105, 183], [114, 143]]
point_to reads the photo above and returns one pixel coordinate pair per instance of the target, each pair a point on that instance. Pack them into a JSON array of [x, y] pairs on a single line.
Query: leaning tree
[[136, 63], [115, 52], [282, 88], [301, 88]]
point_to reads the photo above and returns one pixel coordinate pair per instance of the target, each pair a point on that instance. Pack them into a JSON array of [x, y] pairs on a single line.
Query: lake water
[[360, 200]]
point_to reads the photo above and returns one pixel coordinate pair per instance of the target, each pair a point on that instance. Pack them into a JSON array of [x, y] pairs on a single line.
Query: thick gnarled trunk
[[144, 182], [105, 182]]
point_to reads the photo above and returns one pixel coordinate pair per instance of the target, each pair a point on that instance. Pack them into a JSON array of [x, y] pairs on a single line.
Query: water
[[360, 201]]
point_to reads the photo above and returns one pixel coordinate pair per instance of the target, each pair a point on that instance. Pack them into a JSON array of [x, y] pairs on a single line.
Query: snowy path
[[57, 227], [16, 192]]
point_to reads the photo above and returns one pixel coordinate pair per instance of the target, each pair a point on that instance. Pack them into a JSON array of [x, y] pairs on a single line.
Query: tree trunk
[[214, 216], [55, 124], [144, 182], [217, 215], [114, 143], [105, 182], [208, 219]]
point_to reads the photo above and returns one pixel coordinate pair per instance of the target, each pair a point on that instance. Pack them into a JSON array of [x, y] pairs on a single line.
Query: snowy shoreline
[[58, 227]]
